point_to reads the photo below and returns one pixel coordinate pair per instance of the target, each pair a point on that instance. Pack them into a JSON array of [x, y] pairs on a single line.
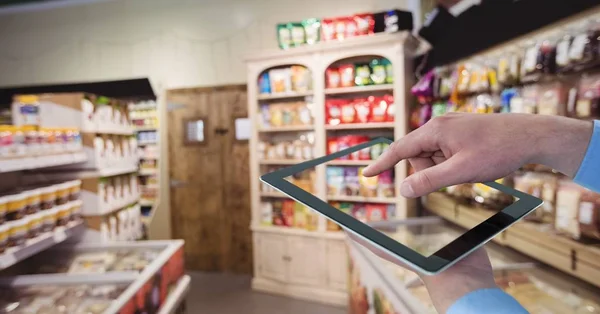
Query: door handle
[[177, 183], [221, 131]]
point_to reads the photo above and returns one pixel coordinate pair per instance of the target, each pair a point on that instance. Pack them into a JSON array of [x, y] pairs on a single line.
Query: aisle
[[231, 294]]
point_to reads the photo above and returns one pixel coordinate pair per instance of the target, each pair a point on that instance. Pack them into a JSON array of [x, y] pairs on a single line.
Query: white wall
[[177, 43]]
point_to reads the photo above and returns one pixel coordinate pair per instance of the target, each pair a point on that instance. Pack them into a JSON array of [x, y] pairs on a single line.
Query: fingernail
[[406, 190]]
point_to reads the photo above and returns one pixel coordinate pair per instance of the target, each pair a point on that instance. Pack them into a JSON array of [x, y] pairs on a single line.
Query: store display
[[349, 181], [106, 194], [359, 110], [275, 115], [377, 71]]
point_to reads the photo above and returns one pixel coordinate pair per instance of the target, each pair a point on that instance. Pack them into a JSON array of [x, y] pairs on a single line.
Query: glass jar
[[35, 225], [63, 215], [17, 233], [34, 201], [48, 197], [63, 192], [15, 206]]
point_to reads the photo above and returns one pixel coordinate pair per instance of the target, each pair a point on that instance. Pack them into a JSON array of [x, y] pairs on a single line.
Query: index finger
[[408, 146]]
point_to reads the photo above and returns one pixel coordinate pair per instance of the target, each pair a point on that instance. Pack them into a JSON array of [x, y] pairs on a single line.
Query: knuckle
[[425, 180]]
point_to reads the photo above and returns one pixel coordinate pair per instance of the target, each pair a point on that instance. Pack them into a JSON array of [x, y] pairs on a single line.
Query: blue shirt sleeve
[[588, 174], [489, 301]]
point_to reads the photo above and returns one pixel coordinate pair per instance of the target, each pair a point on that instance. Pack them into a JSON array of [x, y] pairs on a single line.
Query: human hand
[[467, 148], [474, 272]]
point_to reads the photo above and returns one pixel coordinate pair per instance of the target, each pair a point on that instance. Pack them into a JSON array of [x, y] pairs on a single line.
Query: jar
[[17, 233], [63, 192], [31, 140], [15, 206], [49, 219], [63, 215], [74, 190], [6, 142], [3, 238], [50, 140], [34, 201], [20, 149], [61, 141], [3, 208], [34, 225], [48, 195], [76, 210]]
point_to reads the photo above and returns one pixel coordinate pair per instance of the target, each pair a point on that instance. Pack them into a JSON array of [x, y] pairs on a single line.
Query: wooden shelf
[[538, 241], [350, 162], [359, 89], [362, 199], [292, 128], [284, 95], [361, 126], [281, 161]]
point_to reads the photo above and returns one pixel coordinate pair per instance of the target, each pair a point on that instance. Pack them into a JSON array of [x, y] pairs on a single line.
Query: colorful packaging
[[390, 113], [363, 74], [379, 108], [552, 99], [287, 212], [389, 71], [378, 73], [278, 213], [335, 180], [333, 111], [376, 212], [332, 78], [299, 215], [327, 29], [301, 80], [281, 80], [365, 24], [360, 213], [284, 36], [385, 188], [348, 112], [347, 75], [368, 185], [588, 100], [297, 32], [351, 182], [340, 28], [264, 84], [362, 107], [351, 27], [312, 30]]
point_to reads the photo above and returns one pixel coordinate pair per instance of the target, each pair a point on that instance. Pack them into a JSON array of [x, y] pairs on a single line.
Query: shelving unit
[[361, 199], [32, 163], [281, 252]]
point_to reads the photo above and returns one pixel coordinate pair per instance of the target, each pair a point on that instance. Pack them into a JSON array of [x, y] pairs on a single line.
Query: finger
[[450, 172], [420, 163], [409, 146]]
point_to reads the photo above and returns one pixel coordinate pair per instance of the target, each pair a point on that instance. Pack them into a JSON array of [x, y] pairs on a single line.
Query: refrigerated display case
[[378, 286], [124, 278]]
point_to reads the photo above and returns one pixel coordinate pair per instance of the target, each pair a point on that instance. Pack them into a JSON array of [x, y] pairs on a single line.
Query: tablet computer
[[368, 197]]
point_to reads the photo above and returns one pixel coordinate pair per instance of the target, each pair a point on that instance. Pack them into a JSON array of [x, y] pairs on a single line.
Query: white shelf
[[359, 89], [148, 172], [361, 126], [146, 128], [110, 129], [298, 231], [281, 161], [103, 210], [40, 243], [116, 171], [292, 128], [146, 143], [177, 296], [362, 199], [350, 162], [284, 95], [30, 163]]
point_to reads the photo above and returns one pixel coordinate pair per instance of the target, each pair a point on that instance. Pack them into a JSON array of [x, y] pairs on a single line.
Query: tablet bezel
[[435, 263]]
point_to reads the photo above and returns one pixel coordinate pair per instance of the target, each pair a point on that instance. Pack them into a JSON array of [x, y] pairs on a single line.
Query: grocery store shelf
[[116, 130], [292, 128], [362, 199], [116, 171], [146, 202], [146, 143], [350, 162], [359, 89], [273, 194], [281, 161], [298, 231], [148, 172], [538, 241], [361, 126], [283, 95], [176, 296], [30, 163], [41, 243], [145, 128], [88, 209]]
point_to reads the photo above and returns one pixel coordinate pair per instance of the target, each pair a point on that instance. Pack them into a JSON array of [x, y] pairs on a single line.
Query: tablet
[[364, 200]]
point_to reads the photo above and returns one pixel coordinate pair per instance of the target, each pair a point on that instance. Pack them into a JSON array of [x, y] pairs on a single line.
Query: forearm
[[446, 289]]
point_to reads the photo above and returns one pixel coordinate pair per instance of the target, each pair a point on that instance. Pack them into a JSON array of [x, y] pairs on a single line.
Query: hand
[[467, 148], [474, 272]]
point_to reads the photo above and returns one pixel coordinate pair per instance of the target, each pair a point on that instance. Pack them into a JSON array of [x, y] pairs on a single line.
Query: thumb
[[450, 172]]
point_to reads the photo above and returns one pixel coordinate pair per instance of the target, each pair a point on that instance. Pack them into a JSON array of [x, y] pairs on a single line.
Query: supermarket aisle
[[231, 294]]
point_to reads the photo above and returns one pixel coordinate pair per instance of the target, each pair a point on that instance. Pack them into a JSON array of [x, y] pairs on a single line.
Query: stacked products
[[336, 144], [276, 115], [147, 137], [30, 141], [122, 225], [143, 114], [288, 213], [349, 181], [360, 110], [378, 71], [37, 210], [300, 149], [111, 151], [311, 31], [106, 194], [364, 212], [293, 79]]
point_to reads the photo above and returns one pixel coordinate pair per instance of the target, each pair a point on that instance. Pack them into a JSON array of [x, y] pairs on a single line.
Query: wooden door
[[210, 185], [307, 261], [272, 256]]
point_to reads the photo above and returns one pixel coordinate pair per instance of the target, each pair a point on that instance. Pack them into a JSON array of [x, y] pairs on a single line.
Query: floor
[[231, 294]]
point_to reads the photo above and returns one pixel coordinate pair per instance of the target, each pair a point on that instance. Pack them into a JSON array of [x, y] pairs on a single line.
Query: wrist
[[461, 284]]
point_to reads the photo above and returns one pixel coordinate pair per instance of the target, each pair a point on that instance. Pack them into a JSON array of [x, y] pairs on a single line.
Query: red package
[[327, 29], [333, 111], [390, 113], [332, 145], [365, 153], [379, 107], [346, 75], [376, 212], [332, 77], [365, 24], [348, 112], [340, 28], [363, 110], [287, 212], [351, 27], [343, 143]]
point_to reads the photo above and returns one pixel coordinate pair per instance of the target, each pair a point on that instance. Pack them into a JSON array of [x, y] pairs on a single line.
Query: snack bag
[[284, 36], [281, 80], [424, 87], [327, 29], [335, 180], [277, 213], [389, 71], [301, 80], [275, 115], [298, 36], [288, 213], [363, 74], [368, 185], [333, 111], [332, 78], [299, 215], [376, 212], [348, 112], [264, 84], [365, 24], [379, 108], [378, 75], [351, 184], [360, 213], [351, 27], [312, 30], [385, 188], [390, 113], [340, 28], [363, 110], [332, 145], [347, 75]]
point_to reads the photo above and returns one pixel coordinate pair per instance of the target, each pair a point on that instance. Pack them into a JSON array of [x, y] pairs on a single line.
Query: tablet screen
[[376, 199]]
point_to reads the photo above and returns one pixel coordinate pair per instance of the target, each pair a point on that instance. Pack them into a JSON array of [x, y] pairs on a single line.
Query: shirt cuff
[[489, 301], [588, 174]]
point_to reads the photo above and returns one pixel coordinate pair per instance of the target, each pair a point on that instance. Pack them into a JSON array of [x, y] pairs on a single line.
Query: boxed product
[[287, 212], [278, 219], [351, 181], [335, 181], [392, 21], [280, 80], [101, 195], [300, 215]]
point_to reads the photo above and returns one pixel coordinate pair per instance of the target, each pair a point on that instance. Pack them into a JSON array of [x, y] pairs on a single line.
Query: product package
[[351, 181], [368, 185], [301, 79], [284, 36], [335, 181], [312, 30], [588, 98], [392, 21]]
